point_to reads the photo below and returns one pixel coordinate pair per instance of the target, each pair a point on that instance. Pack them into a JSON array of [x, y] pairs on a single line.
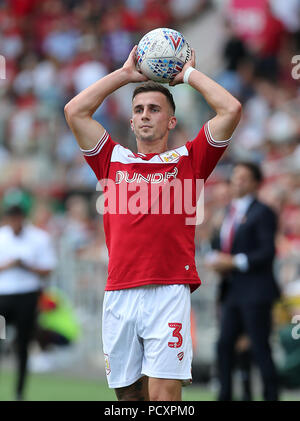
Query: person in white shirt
[[26, 258]]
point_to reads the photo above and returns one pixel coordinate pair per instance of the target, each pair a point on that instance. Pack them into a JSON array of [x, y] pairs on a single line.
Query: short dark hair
[[255, 170], [156, 87]]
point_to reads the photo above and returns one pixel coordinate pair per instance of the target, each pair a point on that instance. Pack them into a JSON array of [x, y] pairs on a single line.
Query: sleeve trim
[[97, 148], [212, 141]]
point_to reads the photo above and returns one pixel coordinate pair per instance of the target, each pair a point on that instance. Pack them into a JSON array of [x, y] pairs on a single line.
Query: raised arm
[[228, 109], [80, 109]]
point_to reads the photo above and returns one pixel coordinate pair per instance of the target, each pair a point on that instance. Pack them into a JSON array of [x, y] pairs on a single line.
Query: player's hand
[[130, 67], [179, 78]]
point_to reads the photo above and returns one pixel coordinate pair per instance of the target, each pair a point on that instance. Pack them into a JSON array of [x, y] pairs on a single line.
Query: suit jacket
[[255, 237]]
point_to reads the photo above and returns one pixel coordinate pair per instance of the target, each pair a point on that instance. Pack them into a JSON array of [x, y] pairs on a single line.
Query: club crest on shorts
[[169, 156], [107, 365], [180, 356]]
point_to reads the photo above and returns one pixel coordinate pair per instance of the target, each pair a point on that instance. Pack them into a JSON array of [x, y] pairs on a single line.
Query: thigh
[[231, 324], [20, 310], [166, 331], [6, 308], [164, 389], [25, 314], [122, 347], [257, 320], [6, 312], [138, 391]]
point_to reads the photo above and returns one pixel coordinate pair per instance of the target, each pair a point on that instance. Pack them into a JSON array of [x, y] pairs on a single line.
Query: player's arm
[[80, 109], [228, 109]]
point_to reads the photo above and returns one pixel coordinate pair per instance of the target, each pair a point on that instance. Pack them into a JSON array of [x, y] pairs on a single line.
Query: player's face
[[151, 116], [242, 181]]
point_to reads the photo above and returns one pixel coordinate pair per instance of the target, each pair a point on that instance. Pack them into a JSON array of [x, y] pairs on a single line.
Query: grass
[[60, 387], [57, 387]]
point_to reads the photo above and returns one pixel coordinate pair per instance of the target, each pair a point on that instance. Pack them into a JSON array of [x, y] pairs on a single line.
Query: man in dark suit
[[246, 244]]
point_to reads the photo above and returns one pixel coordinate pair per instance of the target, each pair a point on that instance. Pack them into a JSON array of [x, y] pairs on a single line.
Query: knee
[[160, 395]]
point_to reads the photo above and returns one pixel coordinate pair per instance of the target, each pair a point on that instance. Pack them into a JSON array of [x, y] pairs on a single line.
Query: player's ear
[[172, 122], [131, 125]]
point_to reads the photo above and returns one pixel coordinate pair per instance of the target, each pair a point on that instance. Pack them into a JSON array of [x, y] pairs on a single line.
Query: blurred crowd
[[260, 53], [53, 49]]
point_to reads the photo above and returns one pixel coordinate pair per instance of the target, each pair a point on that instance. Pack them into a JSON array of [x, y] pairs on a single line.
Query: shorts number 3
[[177, 328]]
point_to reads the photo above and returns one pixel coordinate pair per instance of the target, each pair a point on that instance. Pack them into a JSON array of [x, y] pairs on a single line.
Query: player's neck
[[152, 146]]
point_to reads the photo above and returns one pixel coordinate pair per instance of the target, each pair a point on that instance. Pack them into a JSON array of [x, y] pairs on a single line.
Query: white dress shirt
[[241, 205], [33, 247]]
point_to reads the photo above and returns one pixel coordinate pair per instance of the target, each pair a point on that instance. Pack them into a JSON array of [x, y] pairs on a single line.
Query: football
[[161, 54]]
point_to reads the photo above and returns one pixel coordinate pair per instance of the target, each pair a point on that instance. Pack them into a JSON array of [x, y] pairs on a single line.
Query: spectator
[[26, 256], [247, 241]]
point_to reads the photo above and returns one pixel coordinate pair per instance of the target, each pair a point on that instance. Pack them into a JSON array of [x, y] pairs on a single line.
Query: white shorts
[[147, 331]]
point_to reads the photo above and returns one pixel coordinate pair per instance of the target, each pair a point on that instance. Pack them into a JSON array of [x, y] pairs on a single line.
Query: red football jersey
[[145, 224]]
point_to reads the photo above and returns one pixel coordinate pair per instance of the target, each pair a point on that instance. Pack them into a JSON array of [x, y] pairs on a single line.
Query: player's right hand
[[130, 67]]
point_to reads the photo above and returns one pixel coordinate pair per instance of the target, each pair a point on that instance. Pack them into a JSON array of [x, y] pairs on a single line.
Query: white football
[[161, 54]]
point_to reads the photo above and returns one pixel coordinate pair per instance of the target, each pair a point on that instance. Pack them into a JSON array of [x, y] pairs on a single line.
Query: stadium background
[[54, 49]]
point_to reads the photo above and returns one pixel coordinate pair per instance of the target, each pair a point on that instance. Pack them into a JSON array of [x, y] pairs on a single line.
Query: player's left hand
[[179, 78]]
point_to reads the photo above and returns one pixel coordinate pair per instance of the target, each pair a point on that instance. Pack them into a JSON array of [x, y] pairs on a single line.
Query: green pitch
[[59, 387], [55, 387]]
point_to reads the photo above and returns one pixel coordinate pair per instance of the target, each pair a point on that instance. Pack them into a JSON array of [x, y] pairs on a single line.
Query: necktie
[[227, 243]]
